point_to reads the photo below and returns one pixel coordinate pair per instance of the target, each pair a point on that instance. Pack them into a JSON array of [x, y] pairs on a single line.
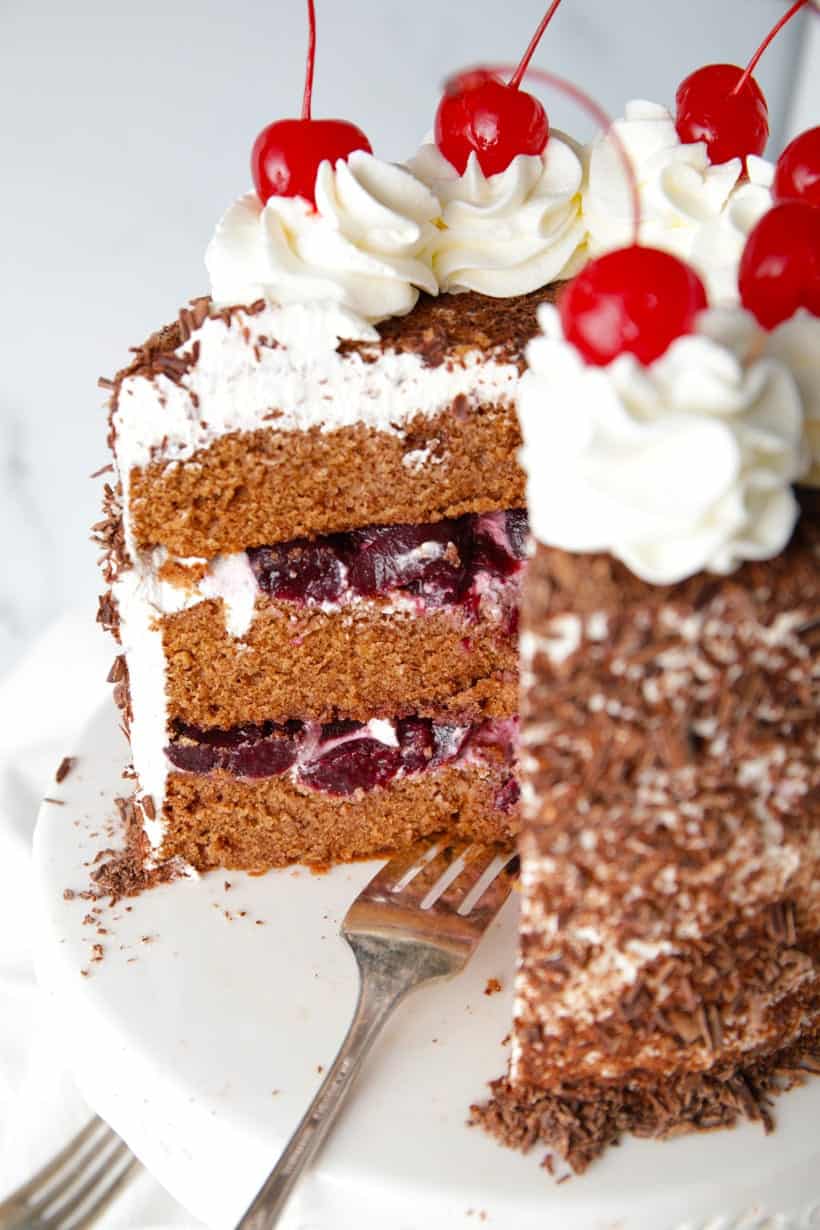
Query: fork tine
[[421, 885], [478, 862], [385, 881], [108, 1193], [43, 1176], [487, 905], [58, 1206]]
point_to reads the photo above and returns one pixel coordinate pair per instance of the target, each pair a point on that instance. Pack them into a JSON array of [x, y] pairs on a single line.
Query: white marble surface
[[125, 129]]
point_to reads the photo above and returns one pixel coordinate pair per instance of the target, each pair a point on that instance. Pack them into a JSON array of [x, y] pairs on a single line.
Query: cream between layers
[[363, 247], [511, 233], [683, 465], [699, 211]]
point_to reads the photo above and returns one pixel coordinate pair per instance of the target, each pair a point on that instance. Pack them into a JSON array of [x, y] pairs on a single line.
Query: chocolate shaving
[[581, 1129], [64, 768]]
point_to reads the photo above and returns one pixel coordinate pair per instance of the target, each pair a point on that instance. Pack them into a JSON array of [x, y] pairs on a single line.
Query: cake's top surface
[[438, 330]]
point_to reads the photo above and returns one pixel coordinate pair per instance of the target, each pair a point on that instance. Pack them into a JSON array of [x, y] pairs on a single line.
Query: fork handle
[[377, 999]]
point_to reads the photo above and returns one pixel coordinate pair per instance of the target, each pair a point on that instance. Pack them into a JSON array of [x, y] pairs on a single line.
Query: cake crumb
[[64, 768], [56, 802], [493, 986], [68, 894], [97, 952]]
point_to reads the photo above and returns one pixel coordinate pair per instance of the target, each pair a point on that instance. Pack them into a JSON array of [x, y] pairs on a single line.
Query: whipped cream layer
[[700, 212], [364, 246], [684, 465], [510, 233]]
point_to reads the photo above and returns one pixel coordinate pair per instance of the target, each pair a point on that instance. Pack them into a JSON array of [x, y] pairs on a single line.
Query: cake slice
[[315, 577], [669, 965]]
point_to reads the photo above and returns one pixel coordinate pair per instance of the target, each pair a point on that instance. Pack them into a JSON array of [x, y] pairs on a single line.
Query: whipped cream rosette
[[796, 343], [365, 247], [512, 232], [700, 211], [681, 465]]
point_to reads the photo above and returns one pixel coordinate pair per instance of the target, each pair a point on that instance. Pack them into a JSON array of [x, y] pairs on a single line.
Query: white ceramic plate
[[201, 1036]]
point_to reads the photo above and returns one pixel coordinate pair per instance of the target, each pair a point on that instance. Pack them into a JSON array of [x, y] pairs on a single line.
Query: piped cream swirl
[[510, 233], [683, 465], [796, 343], [699, 211], [364, 247]]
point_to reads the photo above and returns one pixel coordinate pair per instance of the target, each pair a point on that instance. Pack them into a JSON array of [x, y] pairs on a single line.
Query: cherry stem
[[752, 65], [307, 97], [601, 117], [518, 75]]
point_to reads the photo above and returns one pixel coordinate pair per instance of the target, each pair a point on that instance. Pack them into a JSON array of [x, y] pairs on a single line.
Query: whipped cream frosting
[[698, 211], [684, 465], [797, 344], [510, 233], [364, 246]]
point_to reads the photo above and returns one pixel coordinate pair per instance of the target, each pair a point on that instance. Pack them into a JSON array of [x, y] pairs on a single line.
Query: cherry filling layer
[[342, 757], [445, 563]]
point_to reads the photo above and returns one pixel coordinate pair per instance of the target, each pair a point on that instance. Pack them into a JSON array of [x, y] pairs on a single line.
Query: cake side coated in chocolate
[[670, 946]]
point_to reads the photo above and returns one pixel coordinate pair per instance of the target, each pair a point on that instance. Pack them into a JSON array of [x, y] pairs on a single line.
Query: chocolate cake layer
[[359, 662], [223, 821], [270, 486], [671, 847]]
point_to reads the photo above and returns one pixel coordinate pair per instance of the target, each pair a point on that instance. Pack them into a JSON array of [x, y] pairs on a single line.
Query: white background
[[125, 130]]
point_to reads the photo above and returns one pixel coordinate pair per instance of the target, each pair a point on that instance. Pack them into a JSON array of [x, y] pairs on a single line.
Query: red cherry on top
[[287, 154], [481, 114], [493, 119], [724, 106], [634, 300], [708, 109], [797, 173], [780, 267]]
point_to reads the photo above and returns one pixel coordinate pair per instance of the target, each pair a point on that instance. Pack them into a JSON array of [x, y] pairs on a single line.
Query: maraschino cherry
[[780, 267], [496, 120], [797, 171], [634, 300], [723, 105], [286, 155]]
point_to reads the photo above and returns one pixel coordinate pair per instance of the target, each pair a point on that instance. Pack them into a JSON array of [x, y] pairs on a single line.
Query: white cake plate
[[202, 1032]]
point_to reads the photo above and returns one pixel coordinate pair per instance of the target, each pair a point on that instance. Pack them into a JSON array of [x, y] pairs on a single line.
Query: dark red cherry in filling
[[430, 561], [360, 764], [287, 154], [415, 736], [797, 171], [267, 758], [193, 757], [483, 115], [634, 300], [780, 267], [708, 109], [299, 571]]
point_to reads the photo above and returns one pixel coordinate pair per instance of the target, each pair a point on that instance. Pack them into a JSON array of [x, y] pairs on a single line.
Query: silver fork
[[76, 1186], [419, 919]]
